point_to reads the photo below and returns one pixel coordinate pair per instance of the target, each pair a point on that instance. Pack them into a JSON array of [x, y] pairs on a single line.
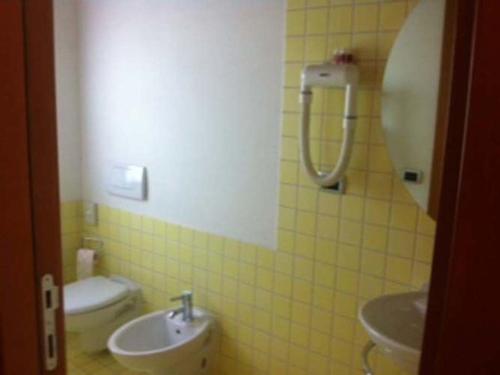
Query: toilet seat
[[92, 294], [95, 307]]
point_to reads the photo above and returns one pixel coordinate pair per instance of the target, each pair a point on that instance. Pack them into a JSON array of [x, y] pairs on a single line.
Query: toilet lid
[[92, 294]]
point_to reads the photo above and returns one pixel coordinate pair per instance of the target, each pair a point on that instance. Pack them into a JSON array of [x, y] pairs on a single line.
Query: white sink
[[161, 345], [395, 323]]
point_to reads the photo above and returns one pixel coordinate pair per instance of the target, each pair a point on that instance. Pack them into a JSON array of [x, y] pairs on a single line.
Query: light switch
[[128, 181]]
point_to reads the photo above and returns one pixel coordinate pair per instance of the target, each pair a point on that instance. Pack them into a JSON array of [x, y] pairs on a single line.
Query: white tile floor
[[80, 363]]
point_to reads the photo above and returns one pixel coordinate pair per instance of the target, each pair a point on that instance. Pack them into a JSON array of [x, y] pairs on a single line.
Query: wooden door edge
[[42, 128], [456, 128]]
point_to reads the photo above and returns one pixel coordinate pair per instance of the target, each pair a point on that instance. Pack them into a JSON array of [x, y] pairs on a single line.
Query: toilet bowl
[[95, 307]]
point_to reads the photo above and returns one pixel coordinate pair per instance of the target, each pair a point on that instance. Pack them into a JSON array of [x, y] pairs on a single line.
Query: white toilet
[[97, 306]]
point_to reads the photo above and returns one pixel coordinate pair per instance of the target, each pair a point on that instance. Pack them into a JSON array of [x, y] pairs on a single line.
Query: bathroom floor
[[80, 363]]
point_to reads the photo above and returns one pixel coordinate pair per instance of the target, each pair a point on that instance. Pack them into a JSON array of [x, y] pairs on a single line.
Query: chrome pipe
[[364, 355]]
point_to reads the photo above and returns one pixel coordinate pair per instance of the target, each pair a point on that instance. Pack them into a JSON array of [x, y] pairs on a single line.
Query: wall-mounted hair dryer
[[341, 72]]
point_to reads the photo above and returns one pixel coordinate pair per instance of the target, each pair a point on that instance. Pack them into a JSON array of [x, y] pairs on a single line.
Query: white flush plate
[[128, 181]]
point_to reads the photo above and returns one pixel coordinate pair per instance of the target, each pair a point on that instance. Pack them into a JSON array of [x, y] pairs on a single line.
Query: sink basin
[[161, 345], [395, 323]]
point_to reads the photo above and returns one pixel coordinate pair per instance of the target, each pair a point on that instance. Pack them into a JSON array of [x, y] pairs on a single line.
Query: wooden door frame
[[42, 125], [30, 185], [19, 324], [463, 324]]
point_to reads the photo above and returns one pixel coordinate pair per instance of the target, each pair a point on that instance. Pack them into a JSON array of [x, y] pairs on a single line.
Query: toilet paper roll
[[85, 261]]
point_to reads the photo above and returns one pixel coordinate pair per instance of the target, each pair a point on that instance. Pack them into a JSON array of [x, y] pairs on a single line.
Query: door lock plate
[[50, 300]]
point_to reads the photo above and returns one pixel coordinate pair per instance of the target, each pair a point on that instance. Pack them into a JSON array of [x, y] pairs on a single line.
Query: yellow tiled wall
[[71, 228], [294, 311]]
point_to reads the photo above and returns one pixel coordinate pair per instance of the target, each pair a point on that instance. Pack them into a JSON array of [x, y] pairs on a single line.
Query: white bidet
[[162, 343]]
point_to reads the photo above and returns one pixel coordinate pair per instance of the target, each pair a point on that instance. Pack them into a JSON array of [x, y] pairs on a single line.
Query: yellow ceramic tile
[[350, 232], [332, 127], [379, 159], [286, 241], [316, 21], [283, 284], [289, 172], [327, 227], [284, 263], [366, 18], [302, 291], [248, 253], [370, 287], [318, 3], [303, 268], [320, 343], [329, 152], [296, 23], [318, 364], [247, 273], [334, 101], [296, 4], [291, 100], [324, 275], [426, 225], [424, 249], [421, 274], [377, 212], [295, 49], [346, 305], [340, 19], [292, 75], [392, 15], [373, 263], [341, 351], [348, 257], [404, 216], [317, 103], [400, 193], [299, 335], [298, 358], [364, 46], [398, 269], [359, 156], [343, 328], [287, 218], [326, 251], [322, 320], [385, 43], [328, 203], [362, 130], [265, 258], [379, 185], [290, 125], [316, 49], [306, 222], [305, 245], [307, 199], [347, 281], [356, 182], [301, 313], [352, 207], [401, 243], [339, 41], [262, 320]]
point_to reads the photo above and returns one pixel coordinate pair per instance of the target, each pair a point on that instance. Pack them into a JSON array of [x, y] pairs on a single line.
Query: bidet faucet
[[187, 306]]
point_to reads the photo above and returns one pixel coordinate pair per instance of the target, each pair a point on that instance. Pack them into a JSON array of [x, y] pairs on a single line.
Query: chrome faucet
[[187, 306]]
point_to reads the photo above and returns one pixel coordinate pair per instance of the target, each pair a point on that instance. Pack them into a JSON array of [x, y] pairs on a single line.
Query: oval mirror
[[410, 97]]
